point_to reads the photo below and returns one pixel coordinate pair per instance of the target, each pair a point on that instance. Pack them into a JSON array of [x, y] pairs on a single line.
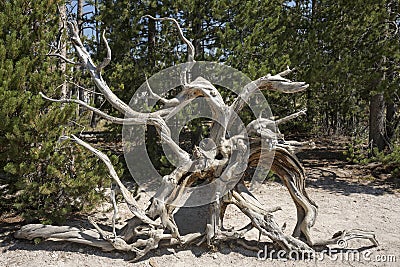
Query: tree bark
[[63, 49], [93, 119], [151, 39], [196, 22], [82, 94], [79, 17], [391, 122], [377, 130]]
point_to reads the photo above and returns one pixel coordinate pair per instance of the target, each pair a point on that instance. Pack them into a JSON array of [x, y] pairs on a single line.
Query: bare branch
[[344, 236], [291, 117], [87, 62], [63, 233], [107, 59], [85, 105], [286, 72], [295, 147], [125, 192], [280, 84], [64, 58], [191, 50], [268, 82], [62, 26], [83, 88], [167, 102], [140, 119]]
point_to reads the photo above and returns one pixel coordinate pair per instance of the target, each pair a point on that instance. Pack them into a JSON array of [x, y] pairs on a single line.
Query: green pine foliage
[[339, 49], [253, 41], [41, 177], [391, 162]]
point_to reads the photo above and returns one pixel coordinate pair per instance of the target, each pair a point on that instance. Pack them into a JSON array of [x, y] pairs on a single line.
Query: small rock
[[215, 256]]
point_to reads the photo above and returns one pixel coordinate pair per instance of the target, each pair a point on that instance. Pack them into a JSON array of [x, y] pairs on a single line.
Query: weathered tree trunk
[[219, 166], [391, 121]]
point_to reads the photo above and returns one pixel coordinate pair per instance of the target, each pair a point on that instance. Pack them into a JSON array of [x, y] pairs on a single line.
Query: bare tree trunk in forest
[[196, 30], [377, 113], [151, 39], [391, 122], [82, 95], [151, 61], [310, 96], [378, 136], [377, 130], [63, 48], [79, 16], [93, 119]]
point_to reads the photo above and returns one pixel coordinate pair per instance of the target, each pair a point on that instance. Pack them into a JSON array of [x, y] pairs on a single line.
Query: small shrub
[[391, 160], [358, 152]]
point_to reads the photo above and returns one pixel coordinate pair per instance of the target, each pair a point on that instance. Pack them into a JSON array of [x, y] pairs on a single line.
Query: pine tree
[[341, 48], [42, 177]]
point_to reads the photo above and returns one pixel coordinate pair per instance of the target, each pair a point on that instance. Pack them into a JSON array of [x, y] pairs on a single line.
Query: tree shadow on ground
[[328, 169]]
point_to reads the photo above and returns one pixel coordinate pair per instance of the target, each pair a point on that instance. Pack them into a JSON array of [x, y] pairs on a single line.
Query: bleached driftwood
[[154, 225]]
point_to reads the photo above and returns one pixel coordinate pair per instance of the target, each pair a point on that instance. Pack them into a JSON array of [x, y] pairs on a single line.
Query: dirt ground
[[348, 197]]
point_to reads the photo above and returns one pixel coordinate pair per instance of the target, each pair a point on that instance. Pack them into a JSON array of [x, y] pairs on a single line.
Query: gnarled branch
[[191, 50], [107, 59]]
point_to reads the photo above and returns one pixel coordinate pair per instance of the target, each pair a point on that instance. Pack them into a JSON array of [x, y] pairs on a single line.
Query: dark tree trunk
[[197, 38], [391, 122], [82, 95], [151, 62], [377, 130], [79, 16], [151, 39]]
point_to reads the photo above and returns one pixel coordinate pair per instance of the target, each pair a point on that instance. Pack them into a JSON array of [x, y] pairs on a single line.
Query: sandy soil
[[348, 197]]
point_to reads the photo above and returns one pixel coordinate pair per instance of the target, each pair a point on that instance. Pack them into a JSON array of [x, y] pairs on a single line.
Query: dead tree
[[154, 225]]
